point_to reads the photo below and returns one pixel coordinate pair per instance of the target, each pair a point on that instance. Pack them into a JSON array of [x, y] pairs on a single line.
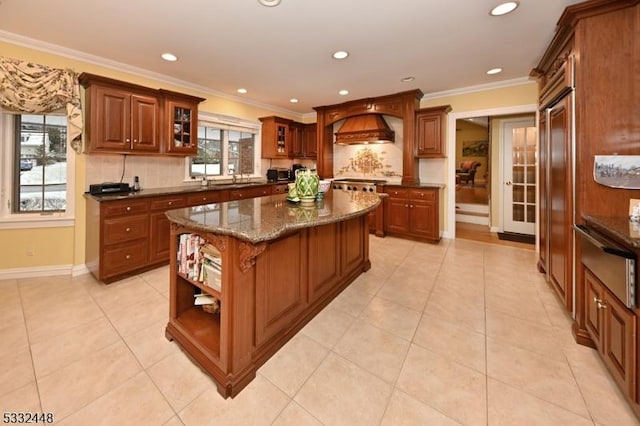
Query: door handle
[[508, 183]]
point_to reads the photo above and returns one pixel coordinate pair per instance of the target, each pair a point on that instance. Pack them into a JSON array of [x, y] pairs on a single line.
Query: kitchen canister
[[307, 182]]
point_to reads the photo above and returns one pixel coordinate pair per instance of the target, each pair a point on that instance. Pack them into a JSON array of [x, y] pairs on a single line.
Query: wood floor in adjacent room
[[471, 231]]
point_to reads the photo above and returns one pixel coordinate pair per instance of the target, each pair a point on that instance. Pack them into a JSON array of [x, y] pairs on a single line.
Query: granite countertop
[[183, 189], [619, 227], [266, 218]]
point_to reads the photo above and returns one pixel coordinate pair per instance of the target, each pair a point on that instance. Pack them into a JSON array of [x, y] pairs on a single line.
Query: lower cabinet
[[130, 235], [612, 328], [413, 212], [159, 226]]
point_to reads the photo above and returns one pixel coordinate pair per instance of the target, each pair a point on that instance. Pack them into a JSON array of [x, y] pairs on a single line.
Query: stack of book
[[199, 261], [211, 268]]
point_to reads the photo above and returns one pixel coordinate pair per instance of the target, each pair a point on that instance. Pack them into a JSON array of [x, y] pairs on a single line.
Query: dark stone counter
[[619, 227], [266, 218]]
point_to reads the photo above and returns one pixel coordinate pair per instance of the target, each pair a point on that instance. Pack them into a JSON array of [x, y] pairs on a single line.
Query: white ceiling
[[284, 52]]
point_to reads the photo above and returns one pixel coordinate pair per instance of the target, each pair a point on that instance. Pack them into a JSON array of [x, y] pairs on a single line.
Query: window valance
[[37, 89]]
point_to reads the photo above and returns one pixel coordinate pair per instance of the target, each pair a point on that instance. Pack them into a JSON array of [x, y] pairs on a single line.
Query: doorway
[[494, 178]]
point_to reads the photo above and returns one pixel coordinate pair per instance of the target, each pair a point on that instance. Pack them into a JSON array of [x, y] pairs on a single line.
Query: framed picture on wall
[[475, 148]]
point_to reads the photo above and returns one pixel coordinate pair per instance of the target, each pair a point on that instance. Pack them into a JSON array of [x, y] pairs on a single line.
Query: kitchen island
[[271, 266]]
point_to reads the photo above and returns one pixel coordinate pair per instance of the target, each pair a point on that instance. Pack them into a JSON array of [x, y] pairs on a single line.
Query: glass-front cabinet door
[[181, 129]]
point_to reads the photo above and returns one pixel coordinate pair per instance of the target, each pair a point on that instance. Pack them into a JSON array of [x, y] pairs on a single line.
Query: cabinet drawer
[[397, 192], [422, 194], [125, 229], [168, 203], [123, 258], [126, 208], [242, 194], [204, 198], [280, 189]]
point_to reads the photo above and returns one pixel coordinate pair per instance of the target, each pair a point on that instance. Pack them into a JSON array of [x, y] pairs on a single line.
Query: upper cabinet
[[276, 137], [430, 131], [285, 138], [125, 118], [181, 123]]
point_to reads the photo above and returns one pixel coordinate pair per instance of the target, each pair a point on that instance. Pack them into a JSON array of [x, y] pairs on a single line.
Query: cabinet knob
[[600, 304], [128, 257], [406, 205], [127, 140], [170, 203], [135, 141], [128, 229], [128, 208]]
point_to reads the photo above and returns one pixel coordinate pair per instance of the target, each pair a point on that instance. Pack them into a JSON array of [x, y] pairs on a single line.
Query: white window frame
[[226, 122], [11, 220]]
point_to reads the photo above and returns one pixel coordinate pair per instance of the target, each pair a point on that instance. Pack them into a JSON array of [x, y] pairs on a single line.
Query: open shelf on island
[[203, 327]]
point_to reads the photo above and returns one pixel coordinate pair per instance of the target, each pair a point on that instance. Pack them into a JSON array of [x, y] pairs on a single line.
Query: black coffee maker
[[295, 167]]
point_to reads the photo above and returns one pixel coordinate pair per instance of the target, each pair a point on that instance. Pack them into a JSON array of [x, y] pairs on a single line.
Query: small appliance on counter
[[278, 174], [295, 167], [109, 188]]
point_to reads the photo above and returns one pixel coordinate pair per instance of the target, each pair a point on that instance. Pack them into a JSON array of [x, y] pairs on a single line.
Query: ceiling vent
[[364, 129]]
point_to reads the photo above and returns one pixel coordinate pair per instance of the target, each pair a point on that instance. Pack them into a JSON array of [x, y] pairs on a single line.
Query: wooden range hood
[[364, 129]]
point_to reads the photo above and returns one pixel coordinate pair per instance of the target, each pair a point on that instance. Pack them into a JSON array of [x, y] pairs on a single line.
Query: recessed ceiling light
[[407, 79], [494, 71], [269, 3], [504, 8], [170, 57], [343, 92], [293, 100], [340, 54], [242, 90]]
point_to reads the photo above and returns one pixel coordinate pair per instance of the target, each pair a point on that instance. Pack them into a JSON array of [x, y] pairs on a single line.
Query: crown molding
[[140, 72], [479, 88]]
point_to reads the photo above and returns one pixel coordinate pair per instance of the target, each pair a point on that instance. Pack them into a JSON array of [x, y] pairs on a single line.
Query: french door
[[519, 175]]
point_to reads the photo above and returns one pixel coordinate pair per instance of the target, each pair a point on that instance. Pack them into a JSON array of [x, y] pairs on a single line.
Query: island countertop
[[266, 218]]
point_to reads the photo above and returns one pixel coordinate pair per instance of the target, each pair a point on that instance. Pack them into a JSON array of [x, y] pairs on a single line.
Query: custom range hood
[[364, 129]]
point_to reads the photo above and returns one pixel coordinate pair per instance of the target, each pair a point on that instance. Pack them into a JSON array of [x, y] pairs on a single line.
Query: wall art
[[617, 171]]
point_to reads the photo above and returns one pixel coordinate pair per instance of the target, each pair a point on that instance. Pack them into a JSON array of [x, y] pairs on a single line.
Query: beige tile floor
[[461, 332]]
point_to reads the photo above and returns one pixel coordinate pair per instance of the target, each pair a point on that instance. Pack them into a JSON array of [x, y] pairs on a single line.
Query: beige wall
[[466, 131]]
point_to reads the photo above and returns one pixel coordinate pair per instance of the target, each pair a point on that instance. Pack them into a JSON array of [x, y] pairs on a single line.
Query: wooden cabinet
[[122, 118], [126, 118], [413, 212], [430, 131], [249, 192], [612, 328], [281, 188], [557, 198], [309, 141], [159, 226], [284, 138], [129, 236], [117, 237], [180, 123], [276, 137], [269, 291]]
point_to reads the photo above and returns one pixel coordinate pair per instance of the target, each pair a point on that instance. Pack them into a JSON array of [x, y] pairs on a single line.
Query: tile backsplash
[[154, 172]]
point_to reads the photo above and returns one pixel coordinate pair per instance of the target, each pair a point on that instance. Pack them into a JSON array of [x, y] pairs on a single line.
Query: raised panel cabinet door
[[543, 202], [324, 259], [111, 120], [297, 138], [396, 215], [159, 237], [560, 202], [619, 348], [145, 126], [310, 142], [353, 251], [281, 290], [423, 219], [181, 128], [593, 291], [429, 138]]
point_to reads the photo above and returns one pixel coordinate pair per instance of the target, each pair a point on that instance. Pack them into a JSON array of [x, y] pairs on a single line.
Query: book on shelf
[[199, 260]]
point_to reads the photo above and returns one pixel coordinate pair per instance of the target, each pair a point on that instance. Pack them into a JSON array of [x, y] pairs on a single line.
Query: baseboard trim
[[42, 271]]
